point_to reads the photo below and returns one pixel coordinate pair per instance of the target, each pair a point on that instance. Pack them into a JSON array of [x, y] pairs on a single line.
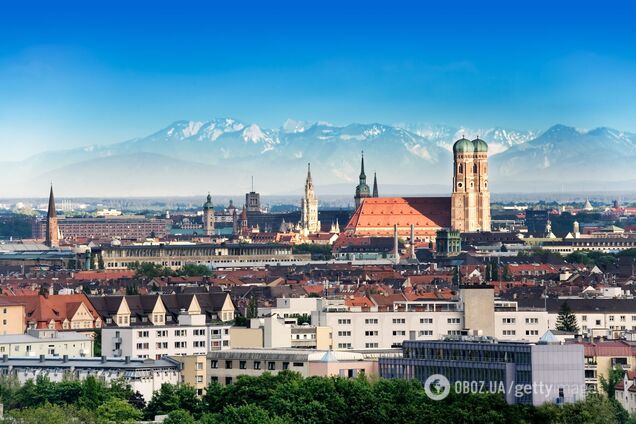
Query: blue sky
[[77, 73]]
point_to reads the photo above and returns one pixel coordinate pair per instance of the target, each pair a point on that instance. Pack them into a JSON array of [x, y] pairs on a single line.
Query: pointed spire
[[308, 183], [51, 213], [362, 174], [375, 185]]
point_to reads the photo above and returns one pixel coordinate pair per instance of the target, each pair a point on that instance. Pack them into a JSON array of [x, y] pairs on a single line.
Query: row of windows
[[257, 365], [177, 333]]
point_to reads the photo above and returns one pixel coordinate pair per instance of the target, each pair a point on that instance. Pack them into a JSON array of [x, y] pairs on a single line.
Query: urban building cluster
[[399, 287]]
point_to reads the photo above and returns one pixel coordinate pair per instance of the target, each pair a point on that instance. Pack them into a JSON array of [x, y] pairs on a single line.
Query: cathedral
[[466, 210]]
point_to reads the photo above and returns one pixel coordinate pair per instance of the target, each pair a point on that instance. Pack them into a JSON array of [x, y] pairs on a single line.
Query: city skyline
[[90, 75]]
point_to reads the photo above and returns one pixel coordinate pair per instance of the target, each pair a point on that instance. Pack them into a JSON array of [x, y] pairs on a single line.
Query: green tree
[[194, 270], [117, 411], [566, 320], [49, 414], [169, 398], [615, 376], [180, 416]]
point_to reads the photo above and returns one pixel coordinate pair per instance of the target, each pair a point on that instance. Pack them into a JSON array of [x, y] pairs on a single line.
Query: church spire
[[308, 183], [52, 230], [375, 185], [363, 176], [51, 213]]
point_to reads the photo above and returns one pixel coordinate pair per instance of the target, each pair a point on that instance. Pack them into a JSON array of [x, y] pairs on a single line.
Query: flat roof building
[[524, 373]]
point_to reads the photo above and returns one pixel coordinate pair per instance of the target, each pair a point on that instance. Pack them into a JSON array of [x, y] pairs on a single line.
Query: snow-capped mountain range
[[221, 155]]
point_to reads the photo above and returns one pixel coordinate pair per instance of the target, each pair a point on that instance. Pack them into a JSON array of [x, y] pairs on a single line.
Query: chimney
[[412, 241], [396, 250]]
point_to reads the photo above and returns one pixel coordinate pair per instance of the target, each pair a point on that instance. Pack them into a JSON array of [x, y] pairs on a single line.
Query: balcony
[[117, 340], [308, 343]]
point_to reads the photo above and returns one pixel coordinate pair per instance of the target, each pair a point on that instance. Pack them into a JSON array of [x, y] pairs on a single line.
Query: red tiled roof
[[103, 275], [378, 215]]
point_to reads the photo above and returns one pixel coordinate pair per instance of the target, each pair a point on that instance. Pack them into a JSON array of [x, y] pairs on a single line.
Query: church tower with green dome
[[208, 216], [362, 189], [470, 201]]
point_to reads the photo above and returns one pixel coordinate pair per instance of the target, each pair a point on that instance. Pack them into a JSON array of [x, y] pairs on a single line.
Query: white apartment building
[[476, 312], [46, 342], [291, 307], [155, 326]]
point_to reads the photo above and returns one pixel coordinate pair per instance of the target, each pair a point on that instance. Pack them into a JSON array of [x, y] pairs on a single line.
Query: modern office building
[[525, 373]]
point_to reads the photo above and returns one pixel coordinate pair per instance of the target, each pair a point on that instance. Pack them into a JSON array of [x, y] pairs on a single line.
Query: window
[[142, 345], [371, 333], [371, 345], [257, 365], [198, 343], [371, 321], [142, 333], [199, 366], [426, 333], [532, 332], [228, 380], [162, 333], [214, 363], [508, 320], [598, 322], [532, 320], [242, 365], [344, 321], [199, 332], [611, 317], [584, 317], [285, 365], [271, 366], [344, 345], [199, 379], [399, 320], [344, 333], [426, 320], [180, 345], [298, 364], [162, 345], [180, 333], [622, 318], [399, 333], [454, 320], [228, 365], [509, 332]]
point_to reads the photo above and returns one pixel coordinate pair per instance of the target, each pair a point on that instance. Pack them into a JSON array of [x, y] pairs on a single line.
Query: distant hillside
[[221, 155]]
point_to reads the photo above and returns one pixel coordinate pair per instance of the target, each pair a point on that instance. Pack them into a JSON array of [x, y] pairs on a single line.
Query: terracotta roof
[[103, 275], [378, 215], [42, 310]]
